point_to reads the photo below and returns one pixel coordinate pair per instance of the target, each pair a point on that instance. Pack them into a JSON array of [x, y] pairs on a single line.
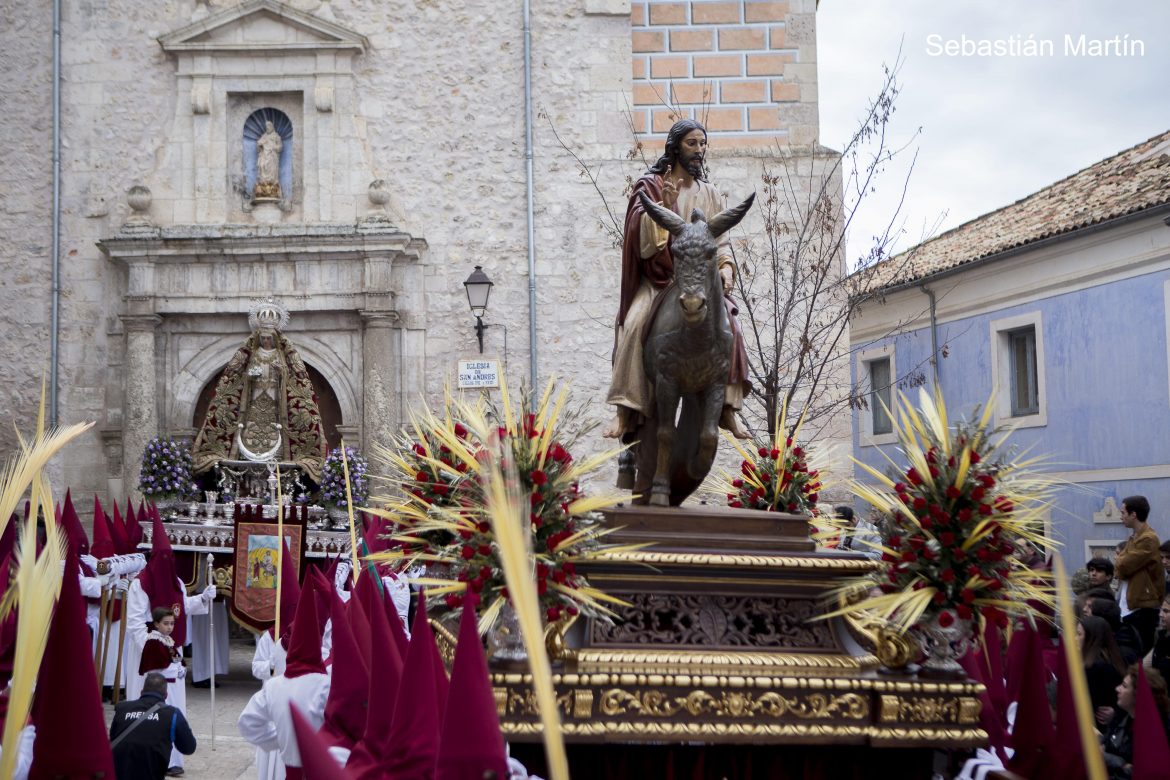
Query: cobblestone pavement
[[233, 758]]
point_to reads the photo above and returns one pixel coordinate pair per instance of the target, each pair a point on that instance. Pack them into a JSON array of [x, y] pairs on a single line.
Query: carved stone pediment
[[262, 25]]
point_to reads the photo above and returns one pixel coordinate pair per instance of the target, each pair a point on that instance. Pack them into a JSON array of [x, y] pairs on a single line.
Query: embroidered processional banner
[[255, 572]]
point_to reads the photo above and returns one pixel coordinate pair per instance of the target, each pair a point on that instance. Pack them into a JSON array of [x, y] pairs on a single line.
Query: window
[[880, 395], [1022, 351], [876, 371], [1017, 370]]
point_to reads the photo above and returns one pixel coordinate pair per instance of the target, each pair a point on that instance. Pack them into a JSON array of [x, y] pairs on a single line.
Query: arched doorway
[[327, 403]]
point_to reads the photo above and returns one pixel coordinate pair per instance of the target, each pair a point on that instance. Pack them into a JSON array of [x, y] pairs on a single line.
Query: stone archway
[[327, 403]]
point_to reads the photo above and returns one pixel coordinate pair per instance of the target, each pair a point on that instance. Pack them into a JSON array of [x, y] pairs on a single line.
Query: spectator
[[1118, 738], [141, 733], [1165, 551], [1100, 572], [1103, 663], [1160, 655], [1085, 602], [1139, 567], [862, 535]]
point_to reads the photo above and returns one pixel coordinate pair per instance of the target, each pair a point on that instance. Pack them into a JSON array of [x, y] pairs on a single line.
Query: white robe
[[137, 616], [200, 639], [268, 662], [266, 721]]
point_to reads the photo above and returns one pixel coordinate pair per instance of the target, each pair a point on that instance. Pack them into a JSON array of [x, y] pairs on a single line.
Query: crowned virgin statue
[[264, 407]]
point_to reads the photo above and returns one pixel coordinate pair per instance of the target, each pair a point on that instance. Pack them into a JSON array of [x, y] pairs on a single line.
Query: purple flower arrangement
[[166, 470], [333, 478]]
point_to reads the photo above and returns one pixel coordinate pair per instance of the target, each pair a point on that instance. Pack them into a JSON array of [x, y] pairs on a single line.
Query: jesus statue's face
[[691, 152]]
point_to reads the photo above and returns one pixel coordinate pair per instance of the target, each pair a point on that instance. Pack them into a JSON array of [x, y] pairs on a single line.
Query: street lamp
[[478, 287]]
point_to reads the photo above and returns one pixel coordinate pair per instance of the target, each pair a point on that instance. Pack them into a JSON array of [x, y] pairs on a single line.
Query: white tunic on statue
[[266, 721], [200, 639]]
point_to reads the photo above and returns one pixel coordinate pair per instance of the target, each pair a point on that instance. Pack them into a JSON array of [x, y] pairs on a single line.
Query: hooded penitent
[[72, 741], [304, 648], [71, 525], [374, 748], [345, 710], [160, 580], [470, 741], [316, 763], [414, 731]]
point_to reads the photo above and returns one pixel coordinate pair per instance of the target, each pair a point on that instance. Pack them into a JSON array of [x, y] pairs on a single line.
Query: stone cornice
[[243, 243], [331, 35]]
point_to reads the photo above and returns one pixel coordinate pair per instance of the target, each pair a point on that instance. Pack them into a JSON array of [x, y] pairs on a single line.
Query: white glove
[[209, 593], [179, 675], [104, 580], [90, 561], [121, 584], [341, 575]]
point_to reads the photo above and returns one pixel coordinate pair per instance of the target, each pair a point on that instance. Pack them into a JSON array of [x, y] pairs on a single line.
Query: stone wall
[[437, 110]]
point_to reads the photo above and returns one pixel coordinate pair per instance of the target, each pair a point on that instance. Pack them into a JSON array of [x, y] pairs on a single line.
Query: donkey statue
[[687, 356]]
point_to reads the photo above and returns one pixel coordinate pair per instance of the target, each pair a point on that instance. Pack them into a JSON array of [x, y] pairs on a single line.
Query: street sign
[[479, 373]]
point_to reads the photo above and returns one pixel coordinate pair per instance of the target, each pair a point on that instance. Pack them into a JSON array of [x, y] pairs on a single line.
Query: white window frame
[[866, 436], [1001, 370]]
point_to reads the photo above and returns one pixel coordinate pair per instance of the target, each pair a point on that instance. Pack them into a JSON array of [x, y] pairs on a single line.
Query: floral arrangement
[[777, 477], [445, 515], [950, 521], [166, 470], [333, 478]]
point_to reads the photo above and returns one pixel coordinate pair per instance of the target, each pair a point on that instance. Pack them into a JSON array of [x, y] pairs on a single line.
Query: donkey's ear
[[697, 215], [727, 219], [666, 219]]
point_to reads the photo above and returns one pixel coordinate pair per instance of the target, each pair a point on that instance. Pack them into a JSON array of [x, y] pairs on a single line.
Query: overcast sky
[[994, 128]]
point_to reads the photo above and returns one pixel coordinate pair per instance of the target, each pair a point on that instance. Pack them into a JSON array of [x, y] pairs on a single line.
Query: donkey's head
[[693, 252]]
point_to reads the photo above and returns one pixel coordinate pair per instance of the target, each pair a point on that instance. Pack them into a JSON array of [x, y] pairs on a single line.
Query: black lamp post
[[478, 287]]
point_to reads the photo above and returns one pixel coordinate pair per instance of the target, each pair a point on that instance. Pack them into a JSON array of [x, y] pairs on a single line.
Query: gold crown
[[267, 315]]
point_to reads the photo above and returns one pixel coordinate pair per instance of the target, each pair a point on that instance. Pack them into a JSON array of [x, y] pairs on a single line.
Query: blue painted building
[[1061, 302]]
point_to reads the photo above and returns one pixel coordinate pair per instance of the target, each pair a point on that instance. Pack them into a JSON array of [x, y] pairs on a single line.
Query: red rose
[[737, 483], [464, 533], [797, 451], [453, 601], [763, 452], [475, 585], [440, 489], [735, 504], [792, 506], [995, 585], [964, 611], [917, 542], [953, 492], [909, 557], [919, 503], [460, 431], [812, 497], [774, 454], [559, 576], [927, 523], [945, 619], [946, 538], [913, 477], [938, 597], [895, 540], [985, 509], [933, 472], [485, 549], [975, 457], [553, 614], [967, 595], [422, 476], [977, 494], [947, 575], [468, 552], [987, 480], [570, 568], [964, 515], [538, 477], [899, 488], [541, 587]]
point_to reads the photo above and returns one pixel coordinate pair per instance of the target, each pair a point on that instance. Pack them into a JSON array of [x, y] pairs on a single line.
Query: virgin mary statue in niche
[[268, 148], [268, 163]]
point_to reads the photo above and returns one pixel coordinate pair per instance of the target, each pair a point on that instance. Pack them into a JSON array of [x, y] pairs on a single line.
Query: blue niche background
[[253, 129]]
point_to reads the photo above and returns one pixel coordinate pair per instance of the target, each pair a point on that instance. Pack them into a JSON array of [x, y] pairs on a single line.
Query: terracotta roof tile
[[1130, 181]]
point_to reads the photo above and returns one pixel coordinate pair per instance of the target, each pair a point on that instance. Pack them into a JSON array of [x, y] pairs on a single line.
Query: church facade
[[354, 162]]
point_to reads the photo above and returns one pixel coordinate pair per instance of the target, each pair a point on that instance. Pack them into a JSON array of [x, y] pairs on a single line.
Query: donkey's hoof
[[659, 499], [625, 480]]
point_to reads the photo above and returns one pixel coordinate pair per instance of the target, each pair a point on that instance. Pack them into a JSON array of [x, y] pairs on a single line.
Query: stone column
[[140, 395], [380, 405]]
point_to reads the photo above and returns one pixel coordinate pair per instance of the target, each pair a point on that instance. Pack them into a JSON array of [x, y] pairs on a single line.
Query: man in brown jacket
[[1139, 570]]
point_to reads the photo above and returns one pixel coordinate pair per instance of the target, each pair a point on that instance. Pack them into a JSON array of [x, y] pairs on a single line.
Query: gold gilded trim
[[812, 682], [706, 661], [810, 562], [734, 704], [928, 735], [929, 709], [663, 730]]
